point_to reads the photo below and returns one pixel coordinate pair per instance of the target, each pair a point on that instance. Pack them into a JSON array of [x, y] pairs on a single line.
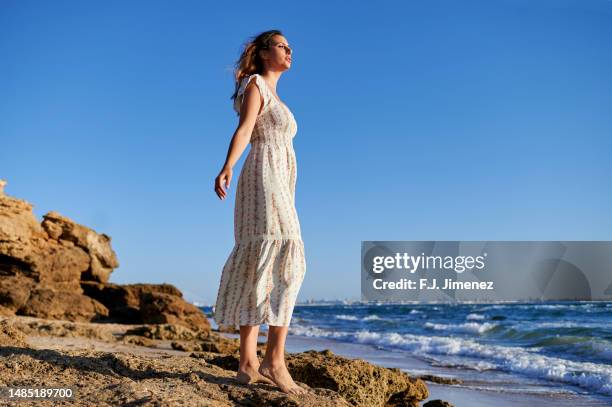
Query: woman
[[263, 274]]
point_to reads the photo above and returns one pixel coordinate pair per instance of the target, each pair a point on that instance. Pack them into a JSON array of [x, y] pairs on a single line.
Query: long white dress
[[264, 272]]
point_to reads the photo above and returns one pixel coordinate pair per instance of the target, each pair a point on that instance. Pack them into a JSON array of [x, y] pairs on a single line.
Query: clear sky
[[417, 120]]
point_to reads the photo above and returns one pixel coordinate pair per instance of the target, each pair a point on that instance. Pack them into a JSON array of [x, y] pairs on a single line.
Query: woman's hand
[[223, 179]]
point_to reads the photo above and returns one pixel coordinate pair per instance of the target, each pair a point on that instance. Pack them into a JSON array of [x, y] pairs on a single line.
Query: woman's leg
[[273, 365], [249, 363]]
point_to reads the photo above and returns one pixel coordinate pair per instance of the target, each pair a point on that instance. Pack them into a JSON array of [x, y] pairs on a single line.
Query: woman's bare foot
[[249, 374], [281, 377]]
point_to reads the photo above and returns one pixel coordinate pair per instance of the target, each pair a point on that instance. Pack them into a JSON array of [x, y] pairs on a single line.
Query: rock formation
[[59, 269]]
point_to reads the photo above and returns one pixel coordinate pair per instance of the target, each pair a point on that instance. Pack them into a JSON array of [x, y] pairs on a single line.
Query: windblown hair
[[250, 61]]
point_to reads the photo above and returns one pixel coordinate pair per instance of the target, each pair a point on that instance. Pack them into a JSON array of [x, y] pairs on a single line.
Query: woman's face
[[279, 54]]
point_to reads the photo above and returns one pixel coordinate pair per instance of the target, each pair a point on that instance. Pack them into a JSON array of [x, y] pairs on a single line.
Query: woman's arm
[[252, 103]]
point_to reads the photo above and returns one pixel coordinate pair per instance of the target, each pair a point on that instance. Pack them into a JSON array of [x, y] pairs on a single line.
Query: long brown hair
[[250, 61]]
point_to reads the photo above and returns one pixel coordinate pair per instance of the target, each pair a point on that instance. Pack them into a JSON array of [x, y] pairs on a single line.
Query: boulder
[[17, 221], [147, 304], [27, 249], [102, 258], [359, 382], [161, 308], [60, 269], [67, 305]]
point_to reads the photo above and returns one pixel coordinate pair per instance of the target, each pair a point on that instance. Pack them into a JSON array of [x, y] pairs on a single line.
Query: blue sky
[[418, 120]]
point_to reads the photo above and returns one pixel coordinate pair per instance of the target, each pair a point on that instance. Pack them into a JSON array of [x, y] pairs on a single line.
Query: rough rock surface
[[359, 382], [52, 304], [128, 375], [11, 336], [59, 269], [102, 258], [147, 304], [110, 378], [106, 365]]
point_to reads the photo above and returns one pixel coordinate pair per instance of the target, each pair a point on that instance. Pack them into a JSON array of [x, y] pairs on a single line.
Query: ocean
[[527, 347]]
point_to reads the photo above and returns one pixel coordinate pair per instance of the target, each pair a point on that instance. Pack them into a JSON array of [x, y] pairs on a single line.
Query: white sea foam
[[592, 376], [473, 317], [347, 317], [313, 331], [581, 306], [415, 311], [355, 318], [560, 324], [467, 327]]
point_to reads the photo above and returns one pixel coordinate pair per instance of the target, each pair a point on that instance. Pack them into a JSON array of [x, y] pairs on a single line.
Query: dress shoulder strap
[[263, 90]]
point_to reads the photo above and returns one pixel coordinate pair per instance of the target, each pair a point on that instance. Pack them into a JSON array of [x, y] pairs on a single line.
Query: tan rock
[[167, 332], [11, 336], [60, 269], [147, 304], [120, 379], [161, 308], [15, 291], [359, 382], [28, 248], [52, 304], [65, 329], [220, 344], [17, 221], [102, 256], [216, 344], [138, 340]]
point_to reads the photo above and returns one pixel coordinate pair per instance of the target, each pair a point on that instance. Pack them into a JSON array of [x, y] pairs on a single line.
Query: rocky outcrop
[[101, 257], [359, 382], [131, 376], [53, 304], [147, 304], [40, 274], [59, 269]]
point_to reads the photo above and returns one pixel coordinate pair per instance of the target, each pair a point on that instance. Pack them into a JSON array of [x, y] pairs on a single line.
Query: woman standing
[[263, 274]]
